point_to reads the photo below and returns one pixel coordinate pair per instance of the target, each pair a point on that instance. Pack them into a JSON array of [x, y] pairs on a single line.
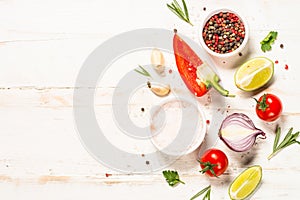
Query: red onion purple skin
[[246, 143]]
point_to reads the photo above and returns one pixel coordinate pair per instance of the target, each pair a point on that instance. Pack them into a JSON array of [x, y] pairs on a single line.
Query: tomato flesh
[[215, 157]]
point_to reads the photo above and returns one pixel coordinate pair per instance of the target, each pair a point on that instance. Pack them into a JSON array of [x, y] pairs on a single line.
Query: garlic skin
[[158, 61], [160, 90], [239, 133]]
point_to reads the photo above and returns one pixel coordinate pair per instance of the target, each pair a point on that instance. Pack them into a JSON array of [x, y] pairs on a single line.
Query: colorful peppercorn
[[224, 32]]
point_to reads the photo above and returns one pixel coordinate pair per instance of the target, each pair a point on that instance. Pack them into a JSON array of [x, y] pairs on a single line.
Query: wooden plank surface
[[43, 45]]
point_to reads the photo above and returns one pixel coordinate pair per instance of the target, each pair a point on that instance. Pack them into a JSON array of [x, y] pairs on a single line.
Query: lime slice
[[245, 184], [254, 74]]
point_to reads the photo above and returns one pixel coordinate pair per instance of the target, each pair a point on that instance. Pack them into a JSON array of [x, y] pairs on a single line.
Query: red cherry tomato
[[268, 107], [213, 162]]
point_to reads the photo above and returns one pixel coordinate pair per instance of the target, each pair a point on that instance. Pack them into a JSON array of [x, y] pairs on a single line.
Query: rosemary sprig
[[206, 196], [143, 71], [288, 140], [183, 14]]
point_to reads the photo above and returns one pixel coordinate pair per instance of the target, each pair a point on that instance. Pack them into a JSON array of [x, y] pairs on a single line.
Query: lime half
[[254, 74], [245, 184]]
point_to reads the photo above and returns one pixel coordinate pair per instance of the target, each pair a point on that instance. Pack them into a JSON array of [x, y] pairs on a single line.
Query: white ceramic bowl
[[183, 130], [228, 57]]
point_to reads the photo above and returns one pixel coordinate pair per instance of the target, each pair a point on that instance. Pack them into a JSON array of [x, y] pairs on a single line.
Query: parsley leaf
[[172, 177], [268, 41]]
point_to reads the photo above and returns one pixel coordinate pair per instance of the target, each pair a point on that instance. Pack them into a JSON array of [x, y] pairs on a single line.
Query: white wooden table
[[43, 44]]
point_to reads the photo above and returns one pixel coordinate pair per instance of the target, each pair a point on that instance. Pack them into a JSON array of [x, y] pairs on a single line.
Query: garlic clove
[[160, 89], [158, 61]]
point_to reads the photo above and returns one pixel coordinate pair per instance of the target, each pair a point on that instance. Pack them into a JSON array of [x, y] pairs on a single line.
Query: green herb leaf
[[176, 5], [183, 14], [172, 177], [177, 8], [268, 41], [185, 9], [206, 196], [143, 71], [288, 140], [266, 47], [174, 11], [278, 132]]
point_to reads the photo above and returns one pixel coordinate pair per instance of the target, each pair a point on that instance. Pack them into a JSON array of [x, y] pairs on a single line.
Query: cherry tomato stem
[[208, 167], [268, 107], [213, 162]]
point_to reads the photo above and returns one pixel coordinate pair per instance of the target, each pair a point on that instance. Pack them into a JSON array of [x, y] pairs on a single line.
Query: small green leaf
[[266, 47], [143, 71], [274, 35], [177, 5], [268, 41], [288, 140], [267, 38], [295, 136], [176, 13], [278, 132], [178, 9], [208, 194], [183, 14], [207, 190], [170, 7], [185, 9], [289, 143], [288, 134], [172, 177]]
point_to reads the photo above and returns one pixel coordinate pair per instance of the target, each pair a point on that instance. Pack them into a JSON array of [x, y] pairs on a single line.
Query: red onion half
[[239, 133]]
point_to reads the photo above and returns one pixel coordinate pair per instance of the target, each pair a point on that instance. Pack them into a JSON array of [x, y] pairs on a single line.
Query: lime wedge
[[254, 74], [245, 184]]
